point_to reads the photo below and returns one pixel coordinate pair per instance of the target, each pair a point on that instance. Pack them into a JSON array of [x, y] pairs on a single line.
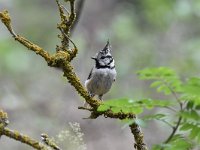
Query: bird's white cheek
[[112, 64]]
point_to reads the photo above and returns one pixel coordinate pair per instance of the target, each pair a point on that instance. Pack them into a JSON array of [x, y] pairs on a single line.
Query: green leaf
[[156, 116], [103, 107], [156, 84], [132, 106], [198, 138], [166, 80], [191, 91], [190, 105], [197, 107], [195, 99], [165, 89], [178, 142], [162, 103], [121, 105], [186, 126], [191, 114], [194, 132], [161, 146], [155, 73]]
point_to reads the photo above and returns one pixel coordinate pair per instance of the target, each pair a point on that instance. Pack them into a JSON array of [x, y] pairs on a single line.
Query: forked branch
[[62, 58]]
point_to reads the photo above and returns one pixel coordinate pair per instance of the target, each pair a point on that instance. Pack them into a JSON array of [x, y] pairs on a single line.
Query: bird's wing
[[90, 75]]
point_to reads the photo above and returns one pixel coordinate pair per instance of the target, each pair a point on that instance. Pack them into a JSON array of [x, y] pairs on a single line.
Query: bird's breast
[[101, 80]]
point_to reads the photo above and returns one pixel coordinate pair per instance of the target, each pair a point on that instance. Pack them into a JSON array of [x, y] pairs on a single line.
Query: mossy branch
[[14, 134], [5, 18], [61, 59], [49, 141], [138, 136]]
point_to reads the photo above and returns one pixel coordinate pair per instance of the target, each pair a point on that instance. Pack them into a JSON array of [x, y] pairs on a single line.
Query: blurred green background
[[143, 33]]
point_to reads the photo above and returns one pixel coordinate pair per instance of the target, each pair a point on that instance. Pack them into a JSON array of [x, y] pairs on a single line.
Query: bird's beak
[[93, 58]]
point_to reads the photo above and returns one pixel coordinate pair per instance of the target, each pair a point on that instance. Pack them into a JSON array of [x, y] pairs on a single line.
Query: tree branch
[[14, 134], [61, 59], [5, 18], [49, 142], [66, 23], [79, 9], [174, 130], [139, 137]]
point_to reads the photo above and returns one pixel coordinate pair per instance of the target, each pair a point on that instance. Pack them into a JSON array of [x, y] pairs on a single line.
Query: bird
[[103, 74]]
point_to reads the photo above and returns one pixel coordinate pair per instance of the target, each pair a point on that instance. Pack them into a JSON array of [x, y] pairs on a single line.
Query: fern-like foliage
[[185, 126]]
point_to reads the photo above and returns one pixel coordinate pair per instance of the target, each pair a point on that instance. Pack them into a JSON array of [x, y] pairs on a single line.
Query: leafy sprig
[[186, 126]]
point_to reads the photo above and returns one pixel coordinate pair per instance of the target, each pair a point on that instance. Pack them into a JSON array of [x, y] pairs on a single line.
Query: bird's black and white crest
[[104, 59]]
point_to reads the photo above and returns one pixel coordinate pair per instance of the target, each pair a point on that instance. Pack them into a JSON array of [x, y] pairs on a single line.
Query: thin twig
[[62, 6], [67, 37], [174, 131], [174, 93], [164, 121], [175, 128], [85, 108], [79, 9], [170, 108], [49, 142], [5, 18]]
